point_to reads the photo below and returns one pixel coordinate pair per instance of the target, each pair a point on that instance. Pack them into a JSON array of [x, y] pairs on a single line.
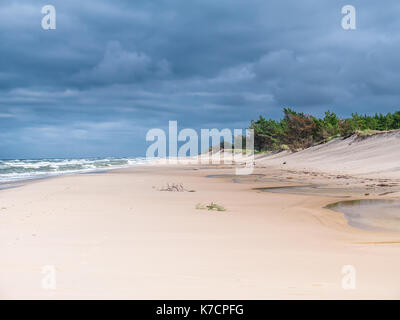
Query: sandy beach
[[114, 116], [115, 235]]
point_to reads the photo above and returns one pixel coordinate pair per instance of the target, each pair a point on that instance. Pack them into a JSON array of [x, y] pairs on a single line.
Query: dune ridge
[[373, 155]]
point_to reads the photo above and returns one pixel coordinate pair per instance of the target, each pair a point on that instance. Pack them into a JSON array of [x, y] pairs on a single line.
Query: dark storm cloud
[[113, 69]]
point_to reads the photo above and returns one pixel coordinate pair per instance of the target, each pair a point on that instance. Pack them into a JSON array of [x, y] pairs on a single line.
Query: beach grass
[[211, 207]]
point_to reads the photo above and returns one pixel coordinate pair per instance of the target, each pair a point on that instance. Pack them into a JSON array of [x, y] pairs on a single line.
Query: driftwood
[[175, 187]]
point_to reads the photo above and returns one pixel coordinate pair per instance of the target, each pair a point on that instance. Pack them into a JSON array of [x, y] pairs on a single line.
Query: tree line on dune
[[297, 131]]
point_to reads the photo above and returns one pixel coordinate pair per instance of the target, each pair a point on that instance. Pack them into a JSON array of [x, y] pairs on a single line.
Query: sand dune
[[375, 155]]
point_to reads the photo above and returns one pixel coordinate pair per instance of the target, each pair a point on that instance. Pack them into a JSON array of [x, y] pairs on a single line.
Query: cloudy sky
[[114, 69]]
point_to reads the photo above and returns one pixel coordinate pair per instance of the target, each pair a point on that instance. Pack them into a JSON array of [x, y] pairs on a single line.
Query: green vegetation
[[298, 131], [211, 206]]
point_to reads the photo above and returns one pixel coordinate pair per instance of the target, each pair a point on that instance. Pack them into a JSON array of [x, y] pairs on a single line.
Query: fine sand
[[373, 156], [116, 235]]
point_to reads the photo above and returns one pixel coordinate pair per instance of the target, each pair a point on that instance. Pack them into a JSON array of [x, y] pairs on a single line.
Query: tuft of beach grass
[[211, 207]]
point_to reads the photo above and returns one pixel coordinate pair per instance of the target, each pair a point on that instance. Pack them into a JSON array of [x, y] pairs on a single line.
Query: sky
[[112, 70]]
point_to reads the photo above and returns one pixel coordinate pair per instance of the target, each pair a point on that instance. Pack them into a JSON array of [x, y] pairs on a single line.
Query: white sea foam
[[18, 169]]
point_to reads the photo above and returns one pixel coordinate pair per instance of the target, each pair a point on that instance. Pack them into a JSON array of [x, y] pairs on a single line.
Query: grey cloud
[[121, 66]]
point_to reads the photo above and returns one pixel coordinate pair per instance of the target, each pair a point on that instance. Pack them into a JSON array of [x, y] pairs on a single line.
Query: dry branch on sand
[[175, 187]]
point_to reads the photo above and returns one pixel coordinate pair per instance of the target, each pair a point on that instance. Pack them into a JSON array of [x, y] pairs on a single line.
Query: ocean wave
[[18, 169]]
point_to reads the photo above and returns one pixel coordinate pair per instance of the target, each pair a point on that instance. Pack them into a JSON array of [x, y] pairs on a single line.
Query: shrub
[[298, 131]]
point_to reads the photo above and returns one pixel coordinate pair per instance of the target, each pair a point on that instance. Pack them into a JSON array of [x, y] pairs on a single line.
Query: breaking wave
[[17, 170]]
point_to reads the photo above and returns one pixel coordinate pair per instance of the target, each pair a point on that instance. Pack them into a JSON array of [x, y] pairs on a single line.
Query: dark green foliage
[[267, 134], [299, 131]]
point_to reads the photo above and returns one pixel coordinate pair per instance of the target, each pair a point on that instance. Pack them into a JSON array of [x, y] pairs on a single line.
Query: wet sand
[[371, 214], [115, 235]]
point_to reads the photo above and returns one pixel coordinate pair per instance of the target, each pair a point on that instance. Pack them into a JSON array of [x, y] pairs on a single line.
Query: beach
[[202, 150], [117, 235]]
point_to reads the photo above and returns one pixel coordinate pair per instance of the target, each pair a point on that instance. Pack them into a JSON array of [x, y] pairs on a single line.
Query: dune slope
[[375, 155]]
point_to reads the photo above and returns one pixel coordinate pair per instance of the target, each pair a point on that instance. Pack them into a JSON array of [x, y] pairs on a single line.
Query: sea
[[16, 170]]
